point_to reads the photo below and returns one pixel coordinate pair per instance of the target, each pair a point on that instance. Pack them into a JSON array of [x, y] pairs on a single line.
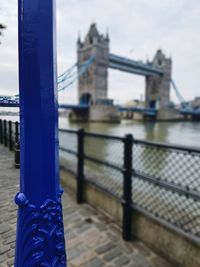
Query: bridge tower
[[158, 86], [93, 85]]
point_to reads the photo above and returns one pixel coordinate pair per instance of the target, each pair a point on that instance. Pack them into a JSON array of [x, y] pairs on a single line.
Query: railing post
[[16, 131], [10, 135], [17, 155], [1, 132], [80, 168], [127, 188], [3, 137], [5, 133]]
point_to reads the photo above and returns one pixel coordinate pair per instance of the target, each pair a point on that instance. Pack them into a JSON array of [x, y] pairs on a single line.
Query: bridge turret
[[93, 84], [79, 43], [158, 86]]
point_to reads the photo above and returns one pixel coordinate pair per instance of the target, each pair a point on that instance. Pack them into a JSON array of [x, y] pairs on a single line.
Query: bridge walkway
[[93, 239]]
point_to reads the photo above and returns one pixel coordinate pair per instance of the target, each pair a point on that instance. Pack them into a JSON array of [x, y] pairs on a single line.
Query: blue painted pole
[[40, 235]]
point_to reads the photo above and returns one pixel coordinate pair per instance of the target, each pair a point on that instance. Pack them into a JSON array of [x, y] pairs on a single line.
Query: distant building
[[135, 103], [132, 103], [196, 102]]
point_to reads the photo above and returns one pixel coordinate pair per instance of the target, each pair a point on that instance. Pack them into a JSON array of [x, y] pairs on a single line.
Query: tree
[[2, 27]]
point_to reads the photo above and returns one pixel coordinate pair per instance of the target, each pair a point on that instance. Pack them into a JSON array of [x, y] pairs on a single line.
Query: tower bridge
[[93, 85], [91, 70]]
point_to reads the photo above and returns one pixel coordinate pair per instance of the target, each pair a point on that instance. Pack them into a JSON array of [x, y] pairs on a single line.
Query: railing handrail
[[67, 130]]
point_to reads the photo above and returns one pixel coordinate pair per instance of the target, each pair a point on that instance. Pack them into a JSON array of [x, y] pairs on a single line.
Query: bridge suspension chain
[[65, 80], [177, 92], [81, 70]]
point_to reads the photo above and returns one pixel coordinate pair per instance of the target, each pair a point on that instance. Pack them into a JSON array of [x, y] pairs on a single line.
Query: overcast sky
[[137, 28]]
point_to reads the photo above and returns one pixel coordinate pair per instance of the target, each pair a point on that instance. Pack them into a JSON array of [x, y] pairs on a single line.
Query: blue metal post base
[[40, 233], [40, 236]]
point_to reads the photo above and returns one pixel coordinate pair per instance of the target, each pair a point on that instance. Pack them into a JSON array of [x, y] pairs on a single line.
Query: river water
[[182, 133]]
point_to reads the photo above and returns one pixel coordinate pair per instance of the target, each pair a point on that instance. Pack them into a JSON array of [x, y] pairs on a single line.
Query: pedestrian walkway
[[93, 239]]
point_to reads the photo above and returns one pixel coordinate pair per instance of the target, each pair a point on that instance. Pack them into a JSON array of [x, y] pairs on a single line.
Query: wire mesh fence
[[104, 162], [106, 177], [166, 183], [165, 178], [69, 152], [177, 166], [104, 149], [175, 208]]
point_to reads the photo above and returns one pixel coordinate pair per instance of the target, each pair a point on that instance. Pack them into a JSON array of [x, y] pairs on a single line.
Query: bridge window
[[159, 62]]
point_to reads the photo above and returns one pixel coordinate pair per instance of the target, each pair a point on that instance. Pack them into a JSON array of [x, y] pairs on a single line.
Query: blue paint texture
[[40, 210]]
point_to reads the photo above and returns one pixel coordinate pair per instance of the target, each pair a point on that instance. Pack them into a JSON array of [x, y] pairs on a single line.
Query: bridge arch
[[86, 99]]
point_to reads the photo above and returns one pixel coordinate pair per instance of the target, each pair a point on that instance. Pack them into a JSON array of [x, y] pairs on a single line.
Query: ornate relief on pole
[[44, 225]]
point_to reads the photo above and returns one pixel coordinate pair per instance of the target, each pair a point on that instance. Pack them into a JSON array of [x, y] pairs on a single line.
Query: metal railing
[[161, 181], [9, 136]]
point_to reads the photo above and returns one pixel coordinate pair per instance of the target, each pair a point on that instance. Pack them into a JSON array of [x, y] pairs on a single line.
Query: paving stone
[[143, 249], [10, 262], [12, 245], [93, 240], [122, 261], [73, 253], [4, 228], [84, 228], [9, 234], [141, 261], [159, 262], [11, 253], [96, 263], [3, 258], [73, 242], [83, 259], [9, 240], [4, 249], [105, 247], [112, 254], [101, 226], [70, 235]]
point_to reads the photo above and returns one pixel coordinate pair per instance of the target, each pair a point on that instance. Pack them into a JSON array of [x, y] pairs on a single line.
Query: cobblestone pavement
[[93, 239]]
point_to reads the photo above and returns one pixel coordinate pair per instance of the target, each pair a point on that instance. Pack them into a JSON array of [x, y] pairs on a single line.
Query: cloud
[[137, 29]]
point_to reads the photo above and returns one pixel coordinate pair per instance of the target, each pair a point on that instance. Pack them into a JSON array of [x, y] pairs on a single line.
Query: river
[[183, 133]]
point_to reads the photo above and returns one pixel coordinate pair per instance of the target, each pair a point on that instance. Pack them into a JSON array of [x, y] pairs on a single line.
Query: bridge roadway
[[93, 239], [145, 111]]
